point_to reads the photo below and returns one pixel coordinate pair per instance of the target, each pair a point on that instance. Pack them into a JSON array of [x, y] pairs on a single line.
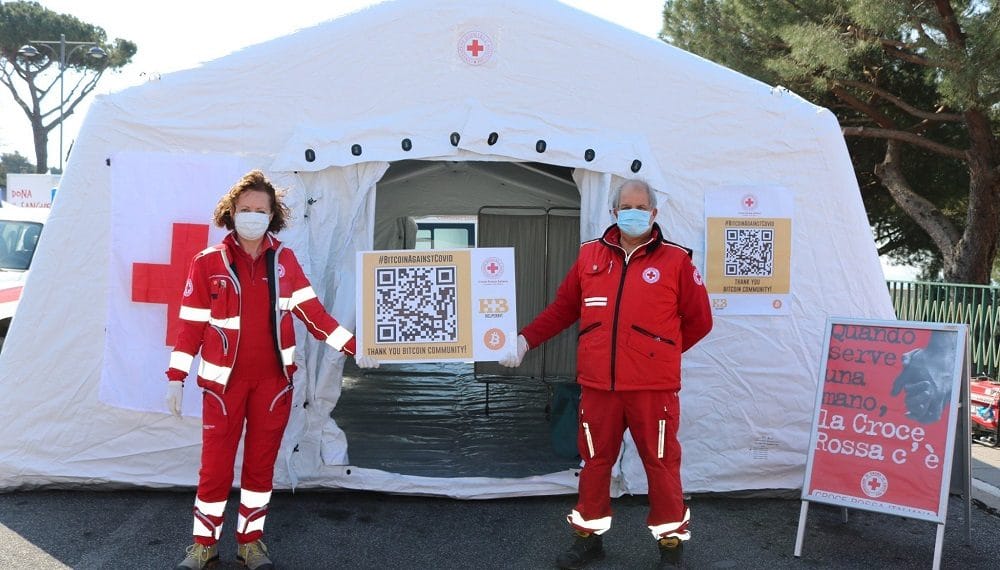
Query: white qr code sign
[[748, 234], [436, 305]]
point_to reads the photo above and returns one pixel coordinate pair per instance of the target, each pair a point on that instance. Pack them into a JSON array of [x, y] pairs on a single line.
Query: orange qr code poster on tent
[[436, 305], [748, 238]]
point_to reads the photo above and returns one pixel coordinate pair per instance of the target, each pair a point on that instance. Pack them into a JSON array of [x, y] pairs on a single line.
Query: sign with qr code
[[748, 250], [436, 305]]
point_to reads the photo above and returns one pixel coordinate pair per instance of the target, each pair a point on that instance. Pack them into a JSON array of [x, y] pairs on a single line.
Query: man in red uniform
[[641, 303]]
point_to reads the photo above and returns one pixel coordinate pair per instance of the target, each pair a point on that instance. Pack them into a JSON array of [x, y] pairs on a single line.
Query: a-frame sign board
[[887, 420]]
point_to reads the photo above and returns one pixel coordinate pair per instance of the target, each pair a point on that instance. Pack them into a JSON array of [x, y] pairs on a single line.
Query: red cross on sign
[[749, 201], [492, 267], [475, 47], [164, 283]]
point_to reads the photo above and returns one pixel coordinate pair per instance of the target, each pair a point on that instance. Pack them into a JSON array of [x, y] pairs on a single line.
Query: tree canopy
[[34, 82], [14, 163], [915, 85]]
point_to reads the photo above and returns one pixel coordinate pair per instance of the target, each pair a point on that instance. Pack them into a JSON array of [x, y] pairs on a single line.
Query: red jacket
[[211, 307], [637, 314]]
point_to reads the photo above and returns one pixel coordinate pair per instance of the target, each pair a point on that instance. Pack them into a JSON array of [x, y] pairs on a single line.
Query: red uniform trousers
[[653, 417], [263, 405]]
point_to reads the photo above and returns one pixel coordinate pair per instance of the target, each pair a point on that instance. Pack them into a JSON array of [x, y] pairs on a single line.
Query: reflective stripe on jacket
[[211, 307]]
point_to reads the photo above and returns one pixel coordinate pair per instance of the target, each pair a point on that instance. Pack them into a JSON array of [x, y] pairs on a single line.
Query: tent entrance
[[460, 419]]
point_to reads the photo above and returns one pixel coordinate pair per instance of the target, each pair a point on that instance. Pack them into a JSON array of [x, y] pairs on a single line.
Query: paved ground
[[986, 476], [314, 530]]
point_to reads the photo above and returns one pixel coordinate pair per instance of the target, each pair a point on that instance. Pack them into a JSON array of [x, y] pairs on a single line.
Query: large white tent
[[326, 112]]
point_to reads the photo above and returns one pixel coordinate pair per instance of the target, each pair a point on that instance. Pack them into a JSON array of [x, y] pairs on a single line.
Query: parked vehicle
[[20, 229], [984, 397]]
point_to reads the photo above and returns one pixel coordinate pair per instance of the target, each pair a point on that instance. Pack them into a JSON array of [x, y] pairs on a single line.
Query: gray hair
[[616, 197]]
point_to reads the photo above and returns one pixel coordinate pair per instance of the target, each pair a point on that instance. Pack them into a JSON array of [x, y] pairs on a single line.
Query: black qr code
[[415, 304], [749, 253]]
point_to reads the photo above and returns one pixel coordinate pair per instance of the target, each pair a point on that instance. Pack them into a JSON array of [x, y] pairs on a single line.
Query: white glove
[[365, 361], [175, 395], [513, 358]]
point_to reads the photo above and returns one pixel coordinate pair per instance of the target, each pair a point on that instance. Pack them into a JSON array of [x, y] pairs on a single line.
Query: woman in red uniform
[[237, 311]]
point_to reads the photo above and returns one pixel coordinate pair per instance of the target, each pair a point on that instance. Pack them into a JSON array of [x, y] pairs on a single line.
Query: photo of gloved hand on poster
[[926, 378]]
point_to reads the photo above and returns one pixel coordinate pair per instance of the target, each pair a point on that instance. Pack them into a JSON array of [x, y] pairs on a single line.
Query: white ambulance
[[20, 229]]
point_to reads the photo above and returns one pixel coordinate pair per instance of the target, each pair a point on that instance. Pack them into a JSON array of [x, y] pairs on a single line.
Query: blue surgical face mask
[[634, 223]]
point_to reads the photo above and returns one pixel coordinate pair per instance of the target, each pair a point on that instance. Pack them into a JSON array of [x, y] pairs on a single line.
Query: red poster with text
[[883, 434]]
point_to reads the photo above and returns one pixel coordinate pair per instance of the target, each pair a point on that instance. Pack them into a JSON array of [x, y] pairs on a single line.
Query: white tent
[[325, 112]]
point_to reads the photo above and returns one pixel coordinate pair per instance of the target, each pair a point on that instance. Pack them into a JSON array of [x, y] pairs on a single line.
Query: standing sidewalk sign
[[436, 305], [887, 420]]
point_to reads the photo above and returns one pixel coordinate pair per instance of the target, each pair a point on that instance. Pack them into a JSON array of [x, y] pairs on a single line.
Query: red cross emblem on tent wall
[[475, 48], [164, 283]]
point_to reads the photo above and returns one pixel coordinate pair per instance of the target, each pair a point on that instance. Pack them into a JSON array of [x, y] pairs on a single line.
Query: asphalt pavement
[[315, 530]]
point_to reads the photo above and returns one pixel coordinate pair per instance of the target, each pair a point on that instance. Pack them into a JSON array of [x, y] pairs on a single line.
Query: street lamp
[[30, 52]]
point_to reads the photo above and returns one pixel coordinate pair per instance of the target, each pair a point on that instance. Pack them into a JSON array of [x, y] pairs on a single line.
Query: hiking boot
[[671, 549], [585, 549], [198, 557], [253, 555]]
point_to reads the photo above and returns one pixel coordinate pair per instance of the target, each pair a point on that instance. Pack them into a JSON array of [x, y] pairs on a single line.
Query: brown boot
[[671, 549], [199, 557], [253, 555]]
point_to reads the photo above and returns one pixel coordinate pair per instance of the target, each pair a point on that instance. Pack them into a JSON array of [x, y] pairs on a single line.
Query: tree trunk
[[41, 137], [930, 219], [967, 257], [972, 260]]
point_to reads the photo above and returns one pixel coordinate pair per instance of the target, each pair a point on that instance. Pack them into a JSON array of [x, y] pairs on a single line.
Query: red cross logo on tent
[[164, 283], [475, 48]]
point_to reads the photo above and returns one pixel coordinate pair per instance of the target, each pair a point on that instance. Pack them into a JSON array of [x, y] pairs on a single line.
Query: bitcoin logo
[[494, 339]]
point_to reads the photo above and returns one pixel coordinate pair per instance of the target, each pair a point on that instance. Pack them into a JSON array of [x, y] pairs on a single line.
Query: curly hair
[[252, 181]]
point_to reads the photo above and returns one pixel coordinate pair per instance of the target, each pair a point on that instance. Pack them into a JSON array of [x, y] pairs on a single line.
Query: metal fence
[[975, 305]]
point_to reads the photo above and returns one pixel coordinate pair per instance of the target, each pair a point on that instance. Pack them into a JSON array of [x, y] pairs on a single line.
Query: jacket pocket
[[587, 329], [653, 336], [223, 340], [220, 297], [651, 345], [210, 396], [591, 350], [287, 391]]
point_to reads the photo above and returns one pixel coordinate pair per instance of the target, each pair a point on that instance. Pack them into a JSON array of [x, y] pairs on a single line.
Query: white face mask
[[251, 225]]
